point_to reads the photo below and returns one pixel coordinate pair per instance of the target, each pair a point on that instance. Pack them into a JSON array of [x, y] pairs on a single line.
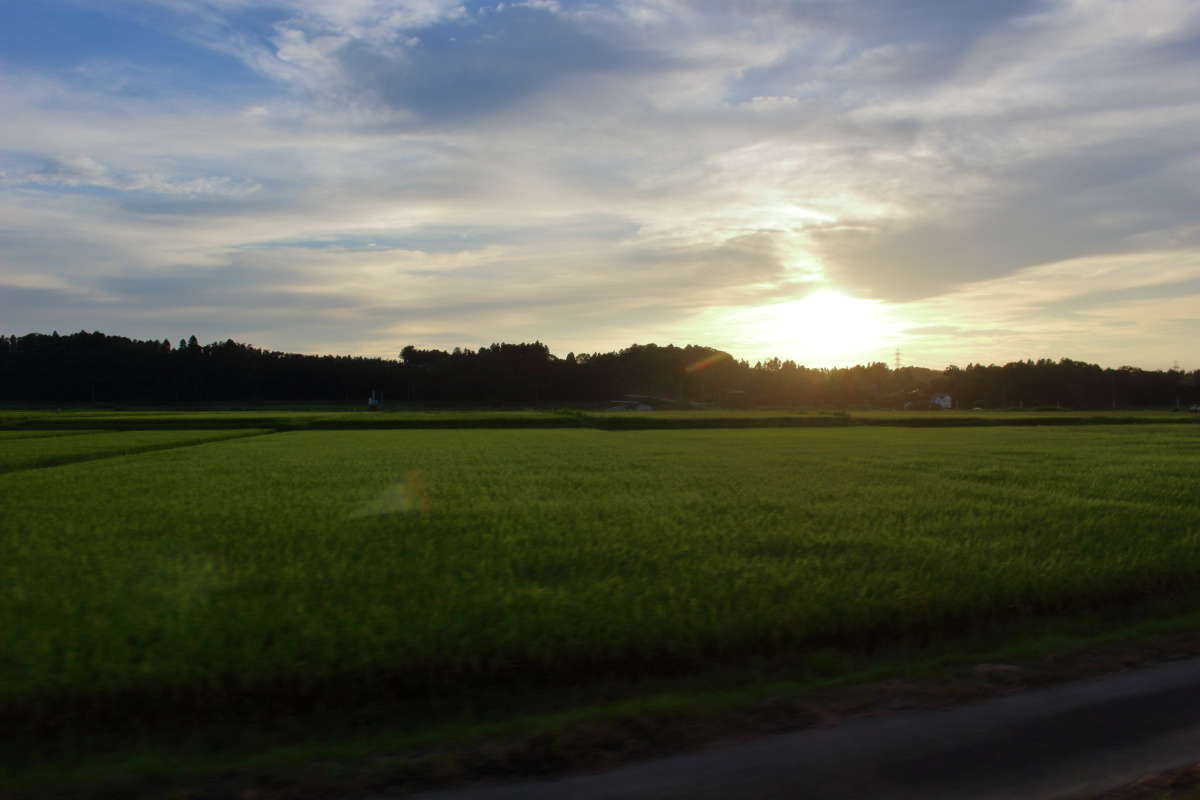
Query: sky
[[828, 181]]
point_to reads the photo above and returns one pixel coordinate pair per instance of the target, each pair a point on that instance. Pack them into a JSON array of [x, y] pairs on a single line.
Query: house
[[629, 405], [942, 400], [919, 401]]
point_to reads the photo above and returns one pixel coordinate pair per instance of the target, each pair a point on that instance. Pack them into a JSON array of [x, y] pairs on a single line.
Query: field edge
[[606, 735]]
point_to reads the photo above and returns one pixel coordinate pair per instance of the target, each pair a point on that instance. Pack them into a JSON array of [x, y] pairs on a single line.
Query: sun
[[823, 328]]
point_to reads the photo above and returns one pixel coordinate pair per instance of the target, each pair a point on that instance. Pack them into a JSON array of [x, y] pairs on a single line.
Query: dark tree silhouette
[[95, 368]]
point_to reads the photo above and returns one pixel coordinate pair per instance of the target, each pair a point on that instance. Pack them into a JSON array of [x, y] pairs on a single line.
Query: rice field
[[273, 570]]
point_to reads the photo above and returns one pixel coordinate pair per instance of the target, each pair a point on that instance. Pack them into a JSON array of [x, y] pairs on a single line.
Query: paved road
[[1070, 739]]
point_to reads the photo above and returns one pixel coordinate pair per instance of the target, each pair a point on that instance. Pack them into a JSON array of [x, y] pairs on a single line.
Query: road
[[1072, 739]]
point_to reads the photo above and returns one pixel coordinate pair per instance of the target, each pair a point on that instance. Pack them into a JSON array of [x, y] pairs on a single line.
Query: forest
[[96, 368]]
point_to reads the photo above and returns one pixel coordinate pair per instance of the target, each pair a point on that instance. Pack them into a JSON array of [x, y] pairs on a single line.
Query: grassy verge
[[332, 754], [17, 421], [16, 435], [279, 420]]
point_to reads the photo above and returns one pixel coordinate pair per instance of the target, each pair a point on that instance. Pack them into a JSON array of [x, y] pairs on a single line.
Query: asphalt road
[[1068, 740]]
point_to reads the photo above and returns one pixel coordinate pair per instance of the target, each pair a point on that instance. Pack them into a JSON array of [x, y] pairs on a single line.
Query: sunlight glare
[[825, 327]]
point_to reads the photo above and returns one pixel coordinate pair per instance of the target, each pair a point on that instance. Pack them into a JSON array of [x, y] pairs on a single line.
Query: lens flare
[[401, 497], [705, 363]]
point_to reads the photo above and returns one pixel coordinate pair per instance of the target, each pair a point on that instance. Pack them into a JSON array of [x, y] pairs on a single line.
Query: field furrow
[[32, 452]]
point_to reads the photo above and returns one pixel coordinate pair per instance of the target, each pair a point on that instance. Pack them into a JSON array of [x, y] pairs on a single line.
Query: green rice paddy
[[274, 574]]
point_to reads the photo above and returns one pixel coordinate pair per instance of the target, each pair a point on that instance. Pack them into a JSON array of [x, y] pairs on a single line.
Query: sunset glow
[[828, 325]]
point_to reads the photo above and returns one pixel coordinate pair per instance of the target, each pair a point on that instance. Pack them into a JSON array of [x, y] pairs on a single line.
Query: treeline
[[1068, 384], [97, 368]]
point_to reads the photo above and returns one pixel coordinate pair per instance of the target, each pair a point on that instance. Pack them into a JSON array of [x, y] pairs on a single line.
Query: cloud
[[81, 170], [1066, 133], [456, 71], [1133, 308], [1110, 298], [592, 170]]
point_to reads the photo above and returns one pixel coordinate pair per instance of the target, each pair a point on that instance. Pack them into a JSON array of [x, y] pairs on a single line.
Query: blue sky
[[824, 181]]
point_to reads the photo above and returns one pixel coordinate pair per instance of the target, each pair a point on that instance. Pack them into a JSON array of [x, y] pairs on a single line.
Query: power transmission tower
[[897, 359]]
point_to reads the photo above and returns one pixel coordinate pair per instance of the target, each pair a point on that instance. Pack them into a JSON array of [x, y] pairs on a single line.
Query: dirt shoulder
[[1176, 784]]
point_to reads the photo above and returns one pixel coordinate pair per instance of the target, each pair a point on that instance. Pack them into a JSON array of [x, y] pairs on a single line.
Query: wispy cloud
[[80, 170], [593, 173]]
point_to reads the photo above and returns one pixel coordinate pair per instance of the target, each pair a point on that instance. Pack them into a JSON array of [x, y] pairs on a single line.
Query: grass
[[14, 435], [24, 420], [275, 419], [415, 577], [50, 448]]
